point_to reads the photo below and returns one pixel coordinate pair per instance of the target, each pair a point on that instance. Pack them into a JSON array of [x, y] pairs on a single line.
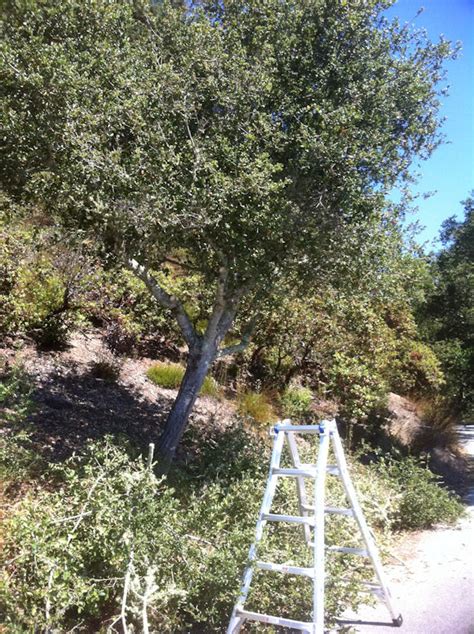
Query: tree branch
[[183, 265], [166, 300], [244, 342], [219, 304]]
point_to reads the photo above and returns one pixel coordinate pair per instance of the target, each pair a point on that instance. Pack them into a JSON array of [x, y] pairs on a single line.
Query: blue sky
[[450, 170]]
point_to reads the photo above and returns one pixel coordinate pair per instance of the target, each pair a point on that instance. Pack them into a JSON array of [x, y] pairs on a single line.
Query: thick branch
[[219, 304], [166, 300], [244, 342]]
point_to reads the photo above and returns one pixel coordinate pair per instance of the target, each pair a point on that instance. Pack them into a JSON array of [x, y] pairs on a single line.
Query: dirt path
[[433, 585]]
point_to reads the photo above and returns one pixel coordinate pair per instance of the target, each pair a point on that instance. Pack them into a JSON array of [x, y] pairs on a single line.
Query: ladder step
[[295, 519], [306, 473], [332, 469], [348, 551], [370, 586], [275, 620], [290, 570], [301, 429], [330, 509]]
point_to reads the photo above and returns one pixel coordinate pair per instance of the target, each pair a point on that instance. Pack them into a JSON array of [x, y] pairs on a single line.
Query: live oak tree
[[447, 318], [245, 141]]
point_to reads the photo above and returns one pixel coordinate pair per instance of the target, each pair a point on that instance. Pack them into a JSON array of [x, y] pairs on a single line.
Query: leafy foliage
[[349, 346], [18, 460], [101, 529], [249, 144], [215, 126], [295, 401], [417, 370], [106, 525], [39, 281], [448, 317], [421, 502]]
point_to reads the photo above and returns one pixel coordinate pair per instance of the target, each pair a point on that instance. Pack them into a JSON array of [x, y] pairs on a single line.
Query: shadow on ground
[[72, 409]]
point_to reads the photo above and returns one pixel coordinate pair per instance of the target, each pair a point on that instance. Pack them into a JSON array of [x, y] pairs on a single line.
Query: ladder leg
[[364, 529], [319, 546], [300, 485], [236, 622]]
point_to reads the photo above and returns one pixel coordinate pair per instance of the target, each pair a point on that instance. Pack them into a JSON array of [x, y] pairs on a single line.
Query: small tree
[[248, 141]]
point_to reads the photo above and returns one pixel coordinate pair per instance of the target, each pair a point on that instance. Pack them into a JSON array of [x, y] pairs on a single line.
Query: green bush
[[19, 461], [295, 401], [170, 375], [41, 281], [15, 391], [102, 522], [422, 502], [106, 522], [417, 370], [71, 559], [357, 385]]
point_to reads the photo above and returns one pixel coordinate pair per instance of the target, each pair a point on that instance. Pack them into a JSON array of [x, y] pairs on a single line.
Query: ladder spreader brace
[[311, 517]]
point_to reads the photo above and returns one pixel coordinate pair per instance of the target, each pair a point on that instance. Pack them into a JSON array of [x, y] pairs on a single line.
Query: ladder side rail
[[363, 526], [300, 484], [236, 621], [318, 544]]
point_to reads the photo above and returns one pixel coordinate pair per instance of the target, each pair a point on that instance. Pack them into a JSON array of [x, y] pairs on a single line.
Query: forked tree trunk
[[203, 349], [199, 361]]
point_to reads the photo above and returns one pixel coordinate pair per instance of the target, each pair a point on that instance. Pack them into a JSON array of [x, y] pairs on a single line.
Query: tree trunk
[[199, 361]]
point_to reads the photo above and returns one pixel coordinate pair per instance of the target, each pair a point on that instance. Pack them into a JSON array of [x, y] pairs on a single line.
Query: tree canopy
[[248, 141], [448, 316]]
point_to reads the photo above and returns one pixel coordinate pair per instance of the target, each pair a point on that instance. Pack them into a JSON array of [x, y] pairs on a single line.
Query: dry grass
[[256, 408], [438, 424]]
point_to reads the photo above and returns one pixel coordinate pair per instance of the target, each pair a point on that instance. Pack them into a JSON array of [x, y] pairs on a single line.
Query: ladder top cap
[[285, 426]]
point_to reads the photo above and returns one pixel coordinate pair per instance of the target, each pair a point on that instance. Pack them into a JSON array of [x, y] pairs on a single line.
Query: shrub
[[417, 370], [295, 401], [69, 549], [71, 560], [40, 281], [255, 407], [19, 461], [170, 375], [104, 518], [357, 385], [422, 502], [15, 391], [121, 337]]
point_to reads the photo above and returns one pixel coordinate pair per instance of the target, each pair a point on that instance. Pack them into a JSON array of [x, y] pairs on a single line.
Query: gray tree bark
[[199, 361], [203, 350]]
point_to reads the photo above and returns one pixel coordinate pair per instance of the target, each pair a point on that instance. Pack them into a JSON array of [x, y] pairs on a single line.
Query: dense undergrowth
[[99, 540]]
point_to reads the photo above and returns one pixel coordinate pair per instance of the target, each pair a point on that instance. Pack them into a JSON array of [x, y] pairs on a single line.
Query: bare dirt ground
[[73, 406]]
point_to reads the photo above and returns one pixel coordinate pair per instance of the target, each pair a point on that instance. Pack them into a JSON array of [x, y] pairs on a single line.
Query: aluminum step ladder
[[312, 518]]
